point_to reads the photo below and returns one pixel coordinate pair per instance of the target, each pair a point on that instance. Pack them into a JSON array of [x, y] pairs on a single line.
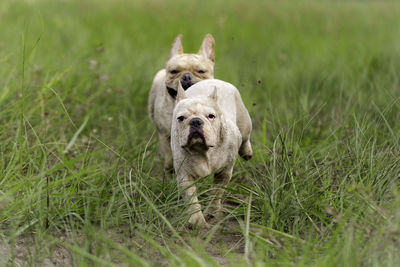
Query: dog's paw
[[197, 220], [214, 212], [202, 226]]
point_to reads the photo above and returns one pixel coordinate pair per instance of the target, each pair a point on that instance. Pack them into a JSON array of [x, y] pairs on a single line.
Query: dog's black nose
[[186, 80], [196, 123], [186, 77]]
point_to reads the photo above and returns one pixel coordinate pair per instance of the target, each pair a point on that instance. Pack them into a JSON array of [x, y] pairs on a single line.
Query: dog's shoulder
[[156, 91], [160, 77]]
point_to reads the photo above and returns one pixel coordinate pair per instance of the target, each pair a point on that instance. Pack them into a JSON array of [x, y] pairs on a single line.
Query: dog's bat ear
[[176, 46], [207, 47], [181, 93], [214, 95]]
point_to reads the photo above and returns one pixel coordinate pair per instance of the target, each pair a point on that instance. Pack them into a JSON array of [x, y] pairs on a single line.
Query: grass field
[[80, 179]]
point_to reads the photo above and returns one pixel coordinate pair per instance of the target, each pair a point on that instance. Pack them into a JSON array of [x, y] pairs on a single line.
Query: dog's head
[[196, 122], [189, 68]]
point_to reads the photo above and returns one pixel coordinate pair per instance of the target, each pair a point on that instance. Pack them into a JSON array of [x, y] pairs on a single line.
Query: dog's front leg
[[221, 179], [165, 146], [196, 218]]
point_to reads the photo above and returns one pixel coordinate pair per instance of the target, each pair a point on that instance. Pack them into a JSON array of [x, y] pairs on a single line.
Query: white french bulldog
[[187, 69], [210, 126]]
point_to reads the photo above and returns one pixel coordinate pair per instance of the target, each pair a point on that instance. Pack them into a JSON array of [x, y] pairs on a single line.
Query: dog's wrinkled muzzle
[[196, 139], [196, 136]]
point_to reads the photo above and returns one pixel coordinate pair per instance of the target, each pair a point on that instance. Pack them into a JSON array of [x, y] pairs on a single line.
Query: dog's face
[[197, 122], [190, 68]]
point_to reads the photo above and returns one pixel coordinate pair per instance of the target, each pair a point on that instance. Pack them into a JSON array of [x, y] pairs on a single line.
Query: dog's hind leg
[[245, 151]]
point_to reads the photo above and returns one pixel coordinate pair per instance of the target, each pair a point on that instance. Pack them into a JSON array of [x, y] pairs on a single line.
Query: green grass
[[80, 179]]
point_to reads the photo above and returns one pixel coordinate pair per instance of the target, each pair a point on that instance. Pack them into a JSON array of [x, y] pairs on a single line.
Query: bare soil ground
[[226, 243]]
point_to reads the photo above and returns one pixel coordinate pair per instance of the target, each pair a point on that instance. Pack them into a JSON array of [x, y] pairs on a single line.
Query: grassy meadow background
[[80, 179]]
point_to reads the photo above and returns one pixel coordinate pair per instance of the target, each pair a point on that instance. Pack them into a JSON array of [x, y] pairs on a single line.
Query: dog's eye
[[211, 116], [181, 118], [174, 71], [201, 71]]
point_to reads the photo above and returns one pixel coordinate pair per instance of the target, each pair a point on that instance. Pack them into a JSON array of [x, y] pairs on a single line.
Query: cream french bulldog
[[210, 125], [187, 69]]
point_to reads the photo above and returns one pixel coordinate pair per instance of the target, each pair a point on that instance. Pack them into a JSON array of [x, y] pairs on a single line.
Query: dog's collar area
[[172, 92]]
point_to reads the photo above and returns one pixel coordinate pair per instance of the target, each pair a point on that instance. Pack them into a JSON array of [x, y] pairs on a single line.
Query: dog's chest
[[207, 165], [199, 167]]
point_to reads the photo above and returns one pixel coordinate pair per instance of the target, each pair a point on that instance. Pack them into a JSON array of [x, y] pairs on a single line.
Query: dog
[[210, 125], [187, 69]]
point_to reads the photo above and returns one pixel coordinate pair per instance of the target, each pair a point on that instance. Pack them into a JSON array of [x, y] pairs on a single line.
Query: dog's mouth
[[196, 136], [172, 92], [196, 141]]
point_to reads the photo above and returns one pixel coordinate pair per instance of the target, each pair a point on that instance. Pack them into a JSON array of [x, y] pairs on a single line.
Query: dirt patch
[[223, 245], [23, 251]]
